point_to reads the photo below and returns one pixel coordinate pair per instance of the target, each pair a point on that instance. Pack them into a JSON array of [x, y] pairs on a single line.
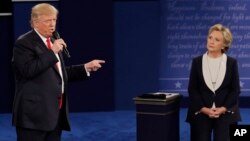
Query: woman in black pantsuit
[[214, 89]]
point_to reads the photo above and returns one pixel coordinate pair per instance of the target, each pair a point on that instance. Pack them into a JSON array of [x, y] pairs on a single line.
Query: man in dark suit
[[40, 110]]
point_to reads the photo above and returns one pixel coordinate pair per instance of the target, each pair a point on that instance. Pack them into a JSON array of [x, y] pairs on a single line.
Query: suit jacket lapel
[[62, 65], [38, 42], [206, 73]]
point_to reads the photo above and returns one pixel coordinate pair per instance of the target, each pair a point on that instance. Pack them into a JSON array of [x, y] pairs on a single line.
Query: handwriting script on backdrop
[[185, 27]]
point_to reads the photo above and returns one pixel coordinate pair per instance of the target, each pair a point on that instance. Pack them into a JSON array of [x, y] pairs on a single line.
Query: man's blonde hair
[[42, 9]]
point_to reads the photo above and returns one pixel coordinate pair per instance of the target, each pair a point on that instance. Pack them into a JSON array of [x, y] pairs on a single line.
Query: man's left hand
[[94, 65]]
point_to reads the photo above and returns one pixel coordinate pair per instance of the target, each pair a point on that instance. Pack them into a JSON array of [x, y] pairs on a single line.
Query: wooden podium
[[158, 118]]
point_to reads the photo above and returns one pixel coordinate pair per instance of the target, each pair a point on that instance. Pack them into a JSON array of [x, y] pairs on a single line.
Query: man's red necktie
[[57, 67], [48, 43]]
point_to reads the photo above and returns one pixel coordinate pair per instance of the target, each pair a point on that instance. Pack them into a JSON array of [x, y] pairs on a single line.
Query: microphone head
[[56, 35], [65, 50]]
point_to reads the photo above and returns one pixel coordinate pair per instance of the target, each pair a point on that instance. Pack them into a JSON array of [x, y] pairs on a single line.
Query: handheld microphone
[[65, 50]]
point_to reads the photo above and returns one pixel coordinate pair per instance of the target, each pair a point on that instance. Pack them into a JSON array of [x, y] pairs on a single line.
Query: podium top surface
[[165, 98]]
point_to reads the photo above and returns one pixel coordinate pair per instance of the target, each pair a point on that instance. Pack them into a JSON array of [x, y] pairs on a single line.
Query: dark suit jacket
[[38, 84], [226, 95]]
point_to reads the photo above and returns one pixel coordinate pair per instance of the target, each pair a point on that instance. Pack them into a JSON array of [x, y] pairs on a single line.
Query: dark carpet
[[104, 126]]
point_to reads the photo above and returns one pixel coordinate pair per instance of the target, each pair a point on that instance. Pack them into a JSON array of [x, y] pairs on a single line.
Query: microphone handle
[[65, 50]]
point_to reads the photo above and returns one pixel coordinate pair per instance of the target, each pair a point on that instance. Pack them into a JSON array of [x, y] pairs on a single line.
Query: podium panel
[[157, 119]]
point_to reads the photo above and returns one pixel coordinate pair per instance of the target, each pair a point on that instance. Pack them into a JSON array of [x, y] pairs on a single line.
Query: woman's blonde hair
[[226, 33]]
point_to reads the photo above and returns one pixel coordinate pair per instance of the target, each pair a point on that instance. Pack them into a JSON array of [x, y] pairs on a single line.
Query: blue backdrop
[[184, 27], [154, 43]]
